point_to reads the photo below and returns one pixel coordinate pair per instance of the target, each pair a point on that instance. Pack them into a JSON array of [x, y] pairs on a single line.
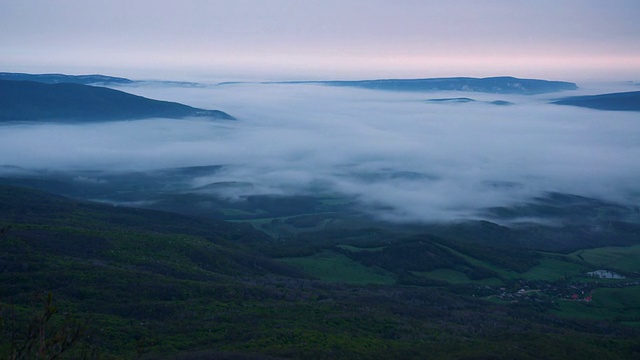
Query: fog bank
[[401, 157]]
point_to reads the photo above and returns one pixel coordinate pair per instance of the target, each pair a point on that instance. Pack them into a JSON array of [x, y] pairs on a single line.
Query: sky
[[323, 39]]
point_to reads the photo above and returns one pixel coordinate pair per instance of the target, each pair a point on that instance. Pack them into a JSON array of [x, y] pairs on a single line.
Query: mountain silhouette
[[37, 101]]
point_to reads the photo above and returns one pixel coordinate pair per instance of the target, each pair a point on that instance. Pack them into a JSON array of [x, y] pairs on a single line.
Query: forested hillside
[[151, 284]]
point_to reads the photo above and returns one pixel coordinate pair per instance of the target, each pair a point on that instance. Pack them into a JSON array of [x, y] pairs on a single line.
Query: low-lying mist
[[399, 156]]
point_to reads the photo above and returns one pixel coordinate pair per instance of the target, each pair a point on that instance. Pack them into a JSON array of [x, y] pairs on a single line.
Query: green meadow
[[336, 267], [619, 304], [626, 259]]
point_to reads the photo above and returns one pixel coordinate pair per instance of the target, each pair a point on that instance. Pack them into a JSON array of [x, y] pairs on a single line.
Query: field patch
[[359, 249], [612, 257], [505, 274], [627, 298], [553, 269], [455, 277], [334, 267], [616, 304], [449, 275]]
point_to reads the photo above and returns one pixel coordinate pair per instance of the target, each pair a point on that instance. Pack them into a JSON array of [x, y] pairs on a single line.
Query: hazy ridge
[[495, 85], [622, 101], [30, 100]]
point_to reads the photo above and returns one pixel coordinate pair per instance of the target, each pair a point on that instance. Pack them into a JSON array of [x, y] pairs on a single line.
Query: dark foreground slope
[[29, 100], [151, 284], [623, 101], [497, 85]]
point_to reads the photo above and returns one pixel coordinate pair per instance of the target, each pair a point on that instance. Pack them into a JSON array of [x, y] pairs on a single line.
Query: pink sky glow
[[331, 39]]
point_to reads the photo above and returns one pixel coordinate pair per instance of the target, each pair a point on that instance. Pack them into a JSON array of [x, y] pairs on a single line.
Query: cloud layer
[[400, 156]]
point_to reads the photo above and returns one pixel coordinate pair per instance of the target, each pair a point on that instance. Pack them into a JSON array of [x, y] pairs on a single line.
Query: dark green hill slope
[[623, 101], [155, 285], [29, 100], [49, 224]]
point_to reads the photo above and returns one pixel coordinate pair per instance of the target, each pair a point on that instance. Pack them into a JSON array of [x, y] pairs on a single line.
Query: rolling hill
[[63, 78], [37, 101], [623, 101]]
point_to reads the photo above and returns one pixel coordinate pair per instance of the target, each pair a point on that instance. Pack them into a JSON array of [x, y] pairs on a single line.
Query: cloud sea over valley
[[399, 156]]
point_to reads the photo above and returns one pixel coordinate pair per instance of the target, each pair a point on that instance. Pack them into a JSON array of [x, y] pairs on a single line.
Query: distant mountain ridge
[[464, 100], [29, 101], [622, 101], [495, 85], [63, 78], [93, 79]]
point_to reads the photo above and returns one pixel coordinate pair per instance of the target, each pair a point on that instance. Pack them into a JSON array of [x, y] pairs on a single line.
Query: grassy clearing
[[449, 275], [335, 267], [359, 249], [554, 269], [455, 277], [237, 212], [582, 310], [615, 304], [620, 298], [505, 274], [612, 257]]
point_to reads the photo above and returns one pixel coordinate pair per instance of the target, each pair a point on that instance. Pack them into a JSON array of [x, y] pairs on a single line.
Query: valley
[[153, 283], [348, 180], [370, 224]]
